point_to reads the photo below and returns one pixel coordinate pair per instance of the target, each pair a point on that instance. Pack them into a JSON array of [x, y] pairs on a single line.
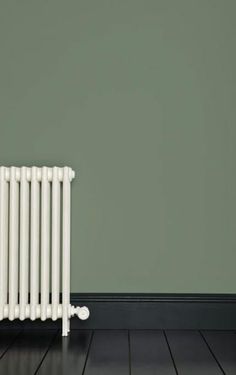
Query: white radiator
[[35, 245]]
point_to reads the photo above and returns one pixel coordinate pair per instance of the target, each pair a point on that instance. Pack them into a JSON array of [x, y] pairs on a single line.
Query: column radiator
[[35, 245]]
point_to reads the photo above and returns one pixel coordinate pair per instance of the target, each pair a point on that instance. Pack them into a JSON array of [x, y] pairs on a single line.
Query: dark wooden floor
[[141, 352]]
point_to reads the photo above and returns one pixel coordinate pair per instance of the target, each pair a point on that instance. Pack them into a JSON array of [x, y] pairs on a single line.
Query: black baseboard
[[148, 311]]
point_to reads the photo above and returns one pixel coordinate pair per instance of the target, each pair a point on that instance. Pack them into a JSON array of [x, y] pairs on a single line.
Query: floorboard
[[117, 352], [109, 354], [150, 354], [67, 355], [223, 345], [7, 337], [191, 354], [27, 351]]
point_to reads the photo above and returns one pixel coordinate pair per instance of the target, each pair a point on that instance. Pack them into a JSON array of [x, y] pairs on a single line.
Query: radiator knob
[[83, 313]]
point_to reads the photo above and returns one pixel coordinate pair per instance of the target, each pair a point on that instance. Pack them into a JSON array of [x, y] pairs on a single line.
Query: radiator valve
[[82, 312]]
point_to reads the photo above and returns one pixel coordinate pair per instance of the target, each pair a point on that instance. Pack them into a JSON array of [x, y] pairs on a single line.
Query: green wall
[[138, 96]]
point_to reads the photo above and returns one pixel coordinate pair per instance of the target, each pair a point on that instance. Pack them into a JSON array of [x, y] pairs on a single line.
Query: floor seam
[[88, 351], [170, 351], [46, 352], [212, 353], [129, 348], [11, 343]]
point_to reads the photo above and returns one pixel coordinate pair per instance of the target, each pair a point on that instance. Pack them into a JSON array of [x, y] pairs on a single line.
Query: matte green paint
[[139, 98]]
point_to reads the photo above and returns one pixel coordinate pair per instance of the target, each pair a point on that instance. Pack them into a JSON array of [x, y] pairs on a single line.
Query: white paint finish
[[81, 312], [3, 239], [34, 244], [66, 251], [13, 242], [40, 214], [45, 241], [24, 242], [31, 176], [55, 242]]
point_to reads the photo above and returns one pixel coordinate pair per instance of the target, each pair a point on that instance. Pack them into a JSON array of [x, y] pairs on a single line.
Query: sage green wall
[[138, 96]]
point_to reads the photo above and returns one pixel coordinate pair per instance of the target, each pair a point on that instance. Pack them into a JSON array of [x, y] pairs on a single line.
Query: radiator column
[[55, 241], [3, 239], [24, 242], [13, 242], [45, 241], [34, 236], [66, 251]]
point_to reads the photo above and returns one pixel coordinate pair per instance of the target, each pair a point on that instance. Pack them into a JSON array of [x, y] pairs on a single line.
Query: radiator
[[35, 205]]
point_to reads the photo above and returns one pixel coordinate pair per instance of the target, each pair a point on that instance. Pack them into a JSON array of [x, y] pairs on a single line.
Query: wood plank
[[223, 345], [150, 354], [27, 351], [67, 355], [191, 354], [7, 337], [109, 354]]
